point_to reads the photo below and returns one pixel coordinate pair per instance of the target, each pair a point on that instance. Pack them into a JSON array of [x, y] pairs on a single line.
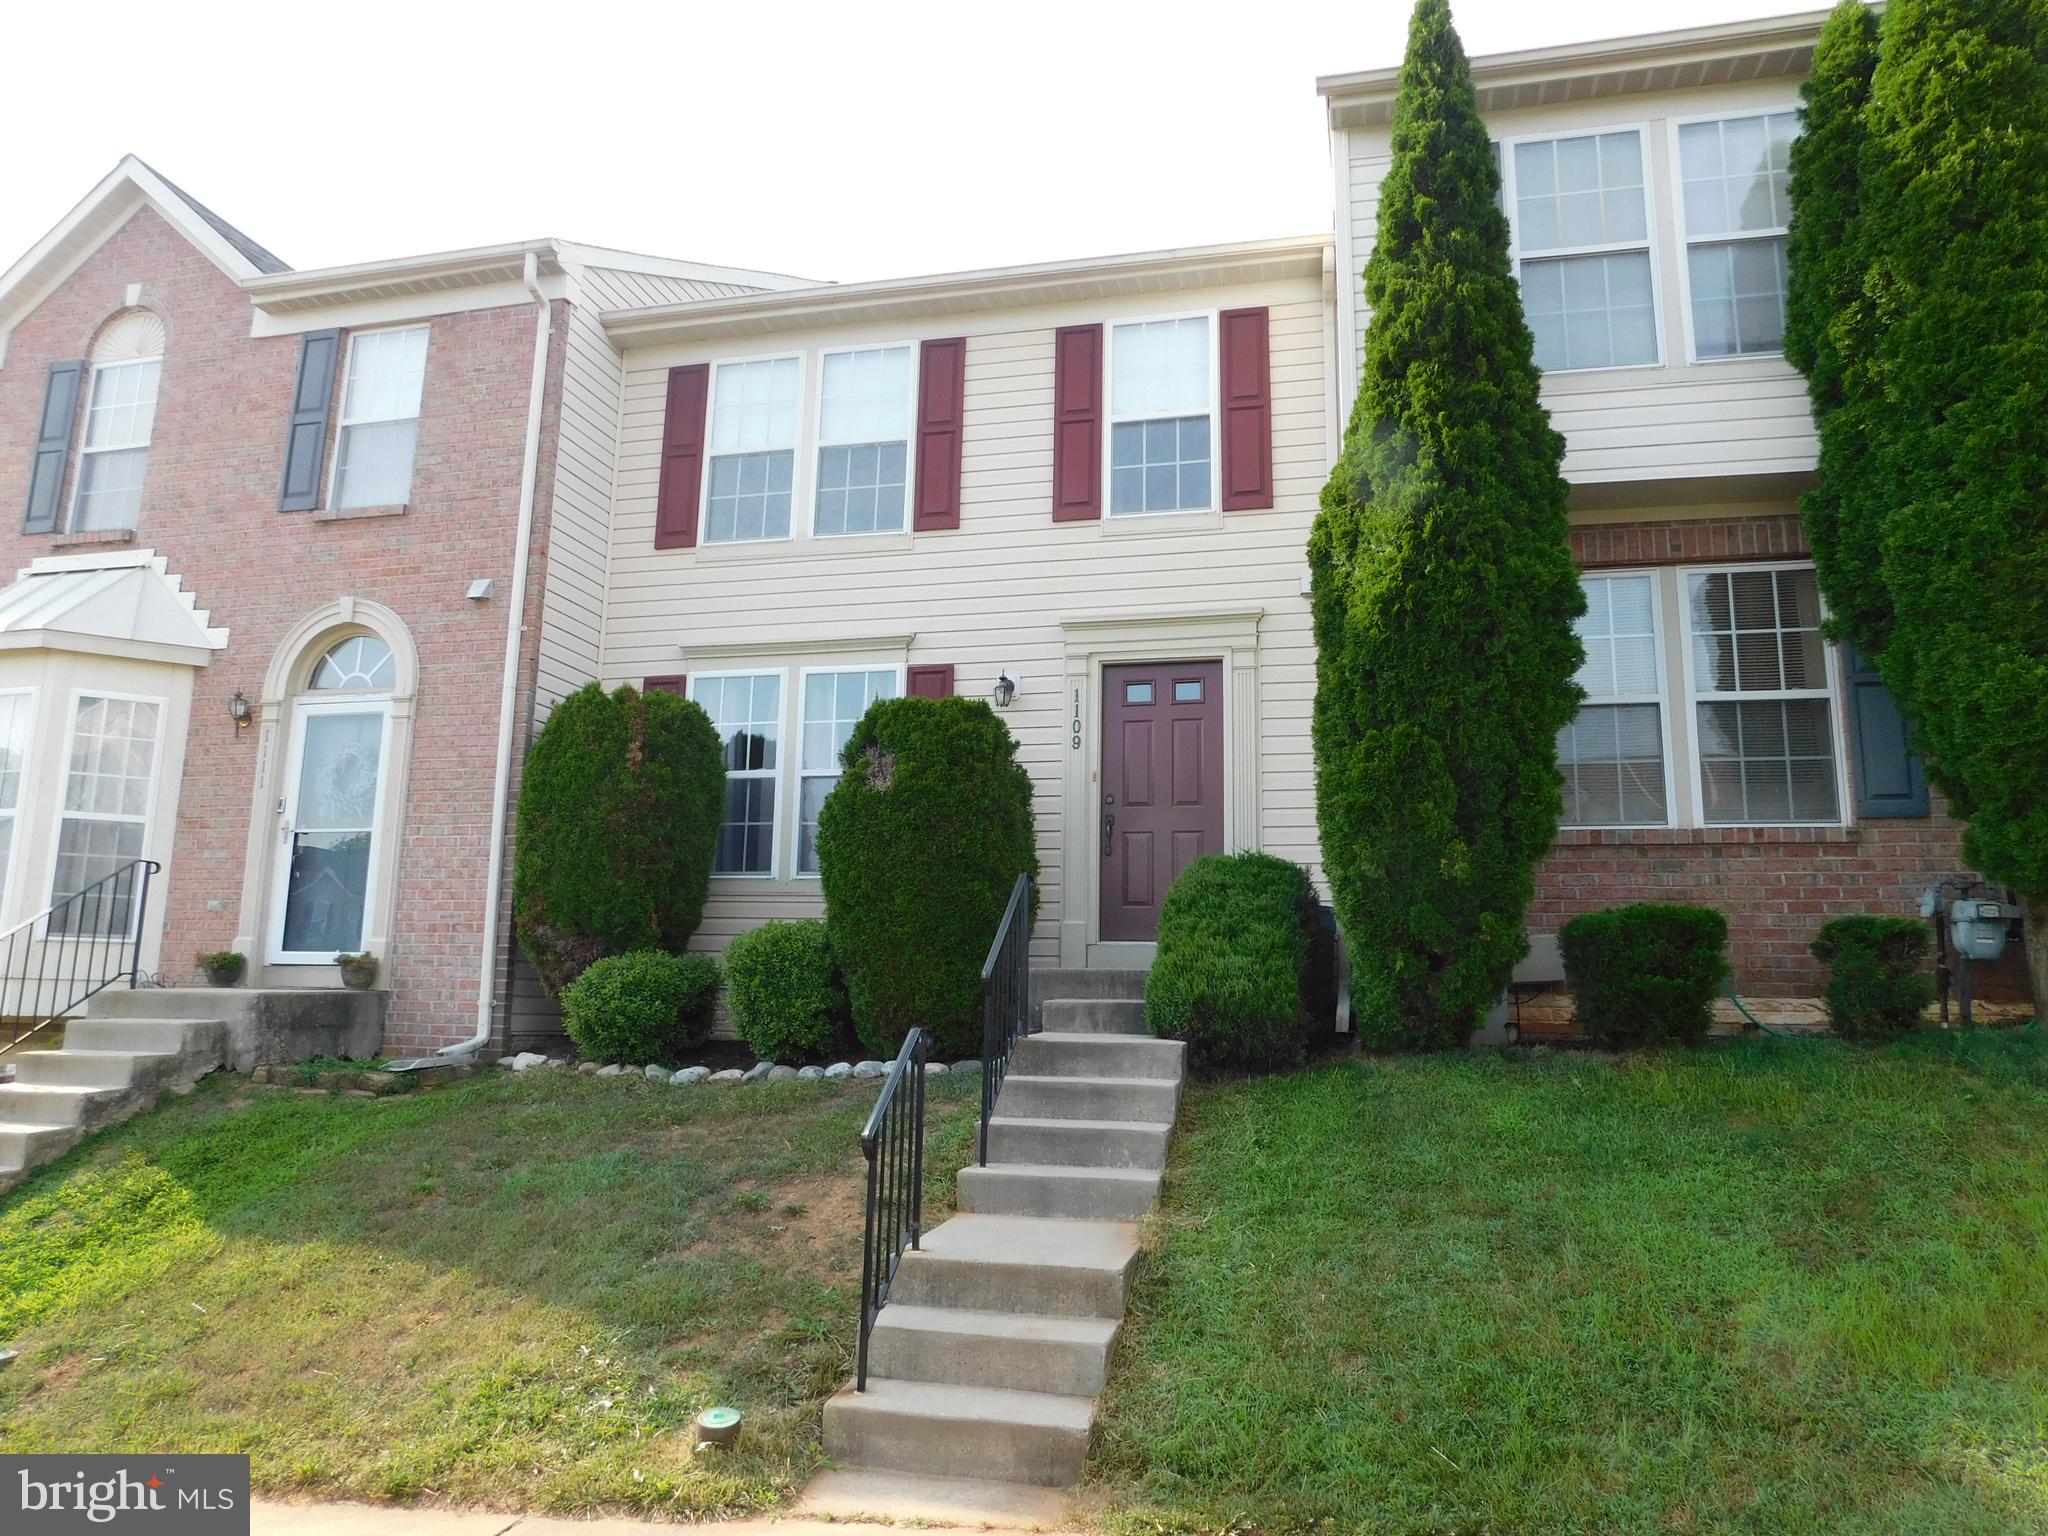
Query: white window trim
[[343, 421], [1110, 419], [797, 771], [778, 775], [797, 478], [1675, 166], [60, 815], [1831, 692], [815, 419], [16, 844], [1662, 641], [1648, 244], [84, 429]]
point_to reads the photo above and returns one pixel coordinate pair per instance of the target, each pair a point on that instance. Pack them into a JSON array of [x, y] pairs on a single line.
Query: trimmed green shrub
[[1878, 984], [1242, 965], [1646, 974], [644, 1006], [919, 844], [618, 820], [1443, 588], [783, 990]]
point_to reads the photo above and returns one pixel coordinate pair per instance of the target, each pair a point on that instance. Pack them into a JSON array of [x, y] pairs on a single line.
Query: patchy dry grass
[[516, 1291]]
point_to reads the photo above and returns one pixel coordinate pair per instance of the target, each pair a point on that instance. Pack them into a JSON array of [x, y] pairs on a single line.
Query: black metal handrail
[[893, 1143], [41, 977], [1005, 999]]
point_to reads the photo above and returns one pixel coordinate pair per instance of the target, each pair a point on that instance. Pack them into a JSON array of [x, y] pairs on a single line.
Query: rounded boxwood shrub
[[919, 844], [618, 818], [1646, 974], [784, 992], [1243, 963], [643, 1006], [1877, 975]]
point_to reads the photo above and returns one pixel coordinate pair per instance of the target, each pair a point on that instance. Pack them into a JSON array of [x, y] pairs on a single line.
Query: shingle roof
[[262, 259]]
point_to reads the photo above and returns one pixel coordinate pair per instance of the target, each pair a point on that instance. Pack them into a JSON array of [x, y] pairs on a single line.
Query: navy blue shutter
[[305, 442], [1889, 778], [53, 447]]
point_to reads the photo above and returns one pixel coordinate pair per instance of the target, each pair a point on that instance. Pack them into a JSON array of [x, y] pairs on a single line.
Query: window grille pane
[[1766, 761], [834, 703], [1612, 758], [1591, 311], [123, 409], [746, 711], [750, 495], [374, 466], [88, 851], [1756, 631], [1735, 173], [110, 489], [1579, 191], [865, 396], [1160, 466], [754, 405], [1161, 368], [386, 370], [1619, 632], [861, 488], [361, 661], [1738, 297]]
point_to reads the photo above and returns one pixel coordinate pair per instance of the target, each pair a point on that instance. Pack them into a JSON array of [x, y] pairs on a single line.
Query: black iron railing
[[1005, 999], [52, 962], [893, 1143]]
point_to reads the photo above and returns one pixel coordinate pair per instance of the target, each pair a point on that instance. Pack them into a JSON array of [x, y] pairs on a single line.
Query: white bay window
[[1580, 215], [109, 783]]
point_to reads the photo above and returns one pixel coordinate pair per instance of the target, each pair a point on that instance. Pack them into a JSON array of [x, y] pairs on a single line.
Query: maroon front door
[[1162, 785]]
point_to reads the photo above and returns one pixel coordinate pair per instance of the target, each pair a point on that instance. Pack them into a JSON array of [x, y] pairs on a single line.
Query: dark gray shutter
[[305, 445], [1889, 778], [53, 447]]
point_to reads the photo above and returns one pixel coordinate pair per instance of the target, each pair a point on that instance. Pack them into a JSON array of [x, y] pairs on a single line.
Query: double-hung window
[[1763, 718], [109, 780], [1612, 754], [380, 417], [864, 419], [1160, 417], [1582, 247], [746, 710], [17, 716], [752, 450], [115, 454], [833, 703], [1735, 174]]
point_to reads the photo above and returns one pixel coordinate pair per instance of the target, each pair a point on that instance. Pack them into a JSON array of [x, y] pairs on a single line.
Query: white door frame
[[281, 859]]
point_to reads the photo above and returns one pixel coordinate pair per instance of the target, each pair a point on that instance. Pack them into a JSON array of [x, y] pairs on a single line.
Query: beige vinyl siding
[[991, 595], [1675, 421]]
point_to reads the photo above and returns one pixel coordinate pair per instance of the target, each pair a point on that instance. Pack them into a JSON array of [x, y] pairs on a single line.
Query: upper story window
[[380, 417], [864, 424], [1736, 208], [752, 449], [1764, 720], [1612, 754], [1161, 406], [120, 415], [1582, 246]]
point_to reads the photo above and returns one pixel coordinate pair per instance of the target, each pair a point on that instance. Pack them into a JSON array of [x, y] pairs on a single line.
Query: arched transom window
[[359, 662], [120, 414]]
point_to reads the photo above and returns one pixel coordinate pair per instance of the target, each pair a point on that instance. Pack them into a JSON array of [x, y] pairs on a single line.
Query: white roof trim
[[1652, 61], [958, 293], [121, 604], [128, 187]]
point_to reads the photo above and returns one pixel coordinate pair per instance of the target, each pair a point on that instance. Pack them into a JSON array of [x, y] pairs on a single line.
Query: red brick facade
[[1776, 885], [210, 507]]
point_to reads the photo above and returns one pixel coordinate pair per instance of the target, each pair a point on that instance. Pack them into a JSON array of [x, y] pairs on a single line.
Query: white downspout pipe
[[508, 691]]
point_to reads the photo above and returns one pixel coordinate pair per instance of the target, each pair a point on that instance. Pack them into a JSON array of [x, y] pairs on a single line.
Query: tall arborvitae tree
[[1444, 589], [1955, 217], [1830, 330]]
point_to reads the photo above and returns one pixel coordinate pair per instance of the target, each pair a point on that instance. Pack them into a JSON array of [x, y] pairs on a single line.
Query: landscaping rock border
[[759, 1072]]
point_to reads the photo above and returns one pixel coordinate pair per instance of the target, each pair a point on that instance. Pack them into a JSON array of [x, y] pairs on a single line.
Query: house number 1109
[[1077, 719]]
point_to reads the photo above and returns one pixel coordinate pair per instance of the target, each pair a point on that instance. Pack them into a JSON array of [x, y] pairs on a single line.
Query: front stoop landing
[[985, 1363]]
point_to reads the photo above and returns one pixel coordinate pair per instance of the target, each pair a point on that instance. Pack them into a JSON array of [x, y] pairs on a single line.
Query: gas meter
[[1977, 929]]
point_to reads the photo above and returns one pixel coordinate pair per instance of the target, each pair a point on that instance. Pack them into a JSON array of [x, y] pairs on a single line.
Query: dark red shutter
[[1247, 410], [941, 405], [677, 683], [930, 682], [682, 457], [1077, 424]]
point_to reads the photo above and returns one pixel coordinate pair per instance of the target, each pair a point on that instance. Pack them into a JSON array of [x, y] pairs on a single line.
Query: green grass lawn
[[1775, 1287], [513, 1292]]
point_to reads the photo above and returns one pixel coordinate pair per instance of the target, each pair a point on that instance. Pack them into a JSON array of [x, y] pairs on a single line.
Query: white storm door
[[327, 851]]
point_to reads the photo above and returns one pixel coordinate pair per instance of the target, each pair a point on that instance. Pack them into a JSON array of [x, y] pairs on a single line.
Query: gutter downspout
[[508, 693]]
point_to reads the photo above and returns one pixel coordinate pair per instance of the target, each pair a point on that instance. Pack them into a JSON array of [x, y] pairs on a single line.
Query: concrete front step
[[1064, 1355], [144, 1036], [166, 1002], [1095, 1015], [1089, 1098], [25, 1146], [1078, 1143], [263, 1024], [946, 1430], [1056, 1054], [1048, 1190], [1020, 1264], [26, 1104], [70, 1068], [1057, 983]]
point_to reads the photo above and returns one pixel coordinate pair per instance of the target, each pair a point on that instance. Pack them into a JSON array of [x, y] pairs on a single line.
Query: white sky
[[868, 138]]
